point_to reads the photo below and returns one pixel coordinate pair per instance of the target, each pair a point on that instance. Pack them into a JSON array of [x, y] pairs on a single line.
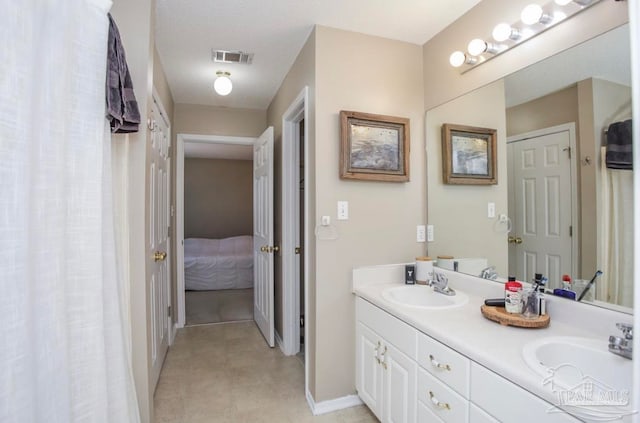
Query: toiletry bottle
[[512, 296], [566, 282], [542, 307]]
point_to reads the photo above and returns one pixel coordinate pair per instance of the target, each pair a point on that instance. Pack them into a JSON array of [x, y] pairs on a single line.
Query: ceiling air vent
[[224, 56]]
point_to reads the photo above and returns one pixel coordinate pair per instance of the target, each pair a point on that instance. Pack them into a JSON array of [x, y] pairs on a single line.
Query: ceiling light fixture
[[534, 20], [222, 84]]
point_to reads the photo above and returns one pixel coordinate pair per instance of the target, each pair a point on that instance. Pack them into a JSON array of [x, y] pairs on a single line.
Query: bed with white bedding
[[211, 264]]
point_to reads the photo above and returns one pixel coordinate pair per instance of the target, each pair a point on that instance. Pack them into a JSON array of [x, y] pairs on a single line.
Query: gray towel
[[122, 107], [619, 146]]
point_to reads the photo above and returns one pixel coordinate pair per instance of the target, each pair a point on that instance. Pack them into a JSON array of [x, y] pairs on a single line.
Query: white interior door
[[159, 240], [263, 248], [541, 199]]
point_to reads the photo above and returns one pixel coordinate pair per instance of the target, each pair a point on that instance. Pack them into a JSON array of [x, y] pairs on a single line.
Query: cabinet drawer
[[441, 400], [444, 363], [508, 402], [392, 329], [478, 415], [425, 415]]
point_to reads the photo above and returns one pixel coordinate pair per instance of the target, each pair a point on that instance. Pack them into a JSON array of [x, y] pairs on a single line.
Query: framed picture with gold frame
[[374, 147], [469, 155]]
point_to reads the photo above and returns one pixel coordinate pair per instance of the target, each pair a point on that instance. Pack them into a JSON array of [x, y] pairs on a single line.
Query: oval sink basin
[[421, 296], [582, 369]]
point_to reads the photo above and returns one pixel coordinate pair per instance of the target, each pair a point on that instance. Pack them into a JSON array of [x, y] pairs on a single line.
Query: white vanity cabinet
[[404, 375], [507, 402], [386, 370]]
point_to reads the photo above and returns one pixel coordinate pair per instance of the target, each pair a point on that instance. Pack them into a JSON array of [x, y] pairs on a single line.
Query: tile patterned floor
[[226, 373]]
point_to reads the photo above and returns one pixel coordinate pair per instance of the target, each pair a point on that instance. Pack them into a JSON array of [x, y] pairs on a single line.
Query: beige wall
[[211, 120], [443, 82], [544, 112], [136, 26], [218, 198], [161, 85], [459, 212], [367, 74], [302, 74]]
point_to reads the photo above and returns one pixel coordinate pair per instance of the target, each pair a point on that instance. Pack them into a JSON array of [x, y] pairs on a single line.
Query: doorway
[[543, 196], [234, 287], [295, 233]]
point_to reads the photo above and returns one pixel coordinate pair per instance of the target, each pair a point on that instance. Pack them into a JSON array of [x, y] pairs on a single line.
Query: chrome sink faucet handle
[[440, 283], [627, 330]]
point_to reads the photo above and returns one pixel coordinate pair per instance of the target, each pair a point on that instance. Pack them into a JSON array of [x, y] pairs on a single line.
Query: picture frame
[[374, 147], [469, 155]]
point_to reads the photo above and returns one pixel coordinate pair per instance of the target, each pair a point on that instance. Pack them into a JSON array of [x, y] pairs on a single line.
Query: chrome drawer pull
[[434, 400], [384, 358], [436, 363]]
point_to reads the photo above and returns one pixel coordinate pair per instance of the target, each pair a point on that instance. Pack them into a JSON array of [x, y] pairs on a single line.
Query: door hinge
[[169, 311], [570, 230]]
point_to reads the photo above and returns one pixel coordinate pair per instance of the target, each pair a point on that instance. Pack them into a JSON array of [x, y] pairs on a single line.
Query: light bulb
[[502, 32], [563, 2], [457, 59], [476, 47], [222, 84], [531, 14]]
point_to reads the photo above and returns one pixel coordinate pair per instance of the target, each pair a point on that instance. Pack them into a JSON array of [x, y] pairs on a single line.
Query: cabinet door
[[400, 375], [368, 371], [478, 415]]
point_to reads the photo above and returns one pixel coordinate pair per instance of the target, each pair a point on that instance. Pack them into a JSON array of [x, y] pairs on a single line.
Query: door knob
[[264, 249], [515, 240], [297, 250], [274, 249], [159, 256]]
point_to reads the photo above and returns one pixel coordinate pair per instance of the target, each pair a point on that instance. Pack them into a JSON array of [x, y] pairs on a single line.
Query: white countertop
[[464, 329]]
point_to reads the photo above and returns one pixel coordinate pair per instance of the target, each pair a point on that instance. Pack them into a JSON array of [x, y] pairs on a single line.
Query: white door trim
[[297, 111], [571, 128], [181, 140]]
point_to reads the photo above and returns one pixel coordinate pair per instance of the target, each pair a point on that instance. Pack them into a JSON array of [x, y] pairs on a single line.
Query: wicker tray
[[500, 315]]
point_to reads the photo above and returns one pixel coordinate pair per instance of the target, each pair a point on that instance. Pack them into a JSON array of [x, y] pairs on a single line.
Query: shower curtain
[[615, 253], [64, 354]]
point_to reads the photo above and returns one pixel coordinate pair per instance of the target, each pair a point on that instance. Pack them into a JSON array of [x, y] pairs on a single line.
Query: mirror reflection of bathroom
[[565, 134]]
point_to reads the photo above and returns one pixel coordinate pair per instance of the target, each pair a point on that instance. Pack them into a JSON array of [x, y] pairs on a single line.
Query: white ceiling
[[275, 31]]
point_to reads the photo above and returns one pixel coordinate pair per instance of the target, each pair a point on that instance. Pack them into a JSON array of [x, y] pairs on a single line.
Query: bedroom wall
[[218, 198]]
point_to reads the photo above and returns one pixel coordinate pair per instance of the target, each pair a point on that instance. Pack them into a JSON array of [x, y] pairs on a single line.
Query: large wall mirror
[[569, 210]]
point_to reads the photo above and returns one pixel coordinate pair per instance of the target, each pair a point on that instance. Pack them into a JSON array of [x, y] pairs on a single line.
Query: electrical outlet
[[491, 210], [430, 233], [421, 233], [343, 210]]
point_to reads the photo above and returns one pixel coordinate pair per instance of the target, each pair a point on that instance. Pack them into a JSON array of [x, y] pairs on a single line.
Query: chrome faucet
[[622, 346], [440, 283], [489, 273]]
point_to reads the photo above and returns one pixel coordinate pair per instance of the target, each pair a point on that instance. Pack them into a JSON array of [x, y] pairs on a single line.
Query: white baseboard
[[172, 333], [329, 406]]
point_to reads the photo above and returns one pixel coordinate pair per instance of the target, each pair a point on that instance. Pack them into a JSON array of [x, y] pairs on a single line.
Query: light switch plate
[[491, 210], [430, 233], [421, 235], [343, 210]]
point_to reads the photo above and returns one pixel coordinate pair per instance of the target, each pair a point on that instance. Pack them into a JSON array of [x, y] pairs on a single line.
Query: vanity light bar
[[534, 20]]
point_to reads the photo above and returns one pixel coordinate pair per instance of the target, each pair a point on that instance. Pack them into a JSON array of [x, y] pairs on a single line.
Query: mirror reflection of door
[[540, 196]]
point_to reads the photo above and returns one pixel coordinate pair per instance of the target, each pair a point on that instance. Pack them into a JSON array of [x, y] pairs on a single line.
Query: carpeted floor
[[227, 305]]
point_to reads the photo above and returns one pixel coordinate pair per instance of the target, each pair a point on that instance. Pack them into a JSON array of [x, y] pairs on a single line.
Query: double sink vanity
[[422, 356]]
